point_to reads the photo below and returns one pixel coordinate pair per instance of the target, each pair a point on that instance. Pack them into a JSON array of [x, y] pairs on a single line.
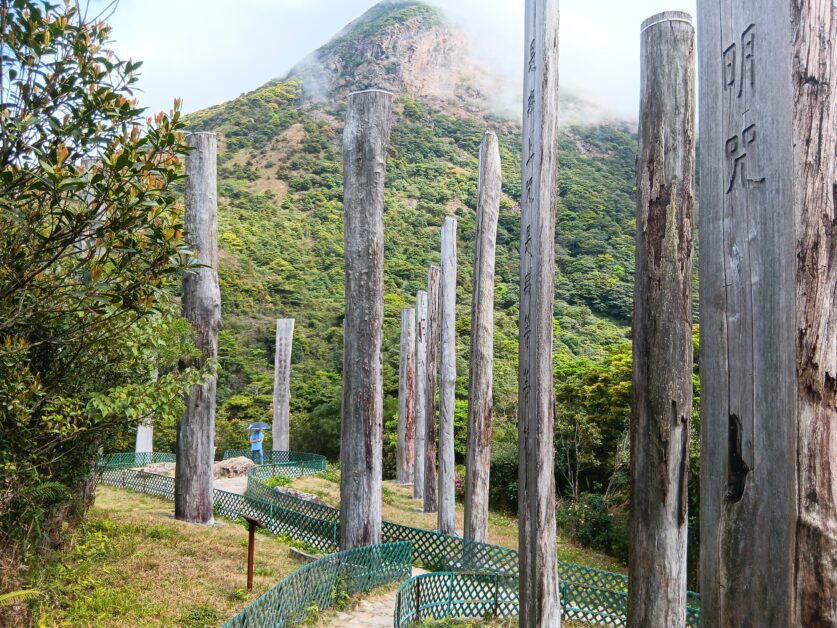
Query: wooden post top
[[665, 16], [253, 521]]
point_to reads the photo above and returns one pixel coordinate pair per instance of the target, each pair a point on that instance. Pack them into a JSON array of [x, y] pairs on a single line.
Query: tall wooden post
[[447, 380], [365, 143], [145, 430], [405, 454], [662, 324], [282, 383], [768, 128], [539, 603], [202, 308], [421, 397], [430, 377], [480, 391]]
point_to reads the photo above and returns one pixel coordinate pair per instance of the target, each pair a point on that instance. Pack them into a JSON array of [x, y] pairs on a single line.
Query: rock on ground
[[283, 490], [160, 468], [233, 467]]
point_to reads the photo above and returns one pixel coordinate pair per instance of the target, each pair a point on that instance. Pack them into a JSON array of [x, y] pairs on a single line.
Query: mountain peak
[[397, 45]]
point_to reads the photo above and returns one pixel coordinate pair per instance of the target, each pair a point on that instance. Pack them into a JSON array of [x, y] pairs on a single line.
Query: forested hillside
[[281, 224]]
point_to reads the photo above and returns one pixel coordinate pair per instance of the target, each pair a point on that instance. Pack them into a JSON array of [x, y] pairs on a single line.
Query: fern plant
[[15, 597]]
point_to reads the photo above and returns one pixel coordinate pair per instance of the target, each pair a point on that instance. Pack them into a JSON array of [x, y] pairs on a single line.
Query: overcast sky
[[209, 51]]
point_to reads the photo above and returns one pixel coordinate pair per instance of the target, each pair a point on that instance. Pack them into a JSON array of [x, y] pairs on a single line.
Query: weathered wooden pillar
[[430, 378], [421, 397], [405, 450], [480, 391], [539, 603], [145, 429], [662, 323], [282, 384], [768, 130], [447, 380], [202, 308], [365, 144]]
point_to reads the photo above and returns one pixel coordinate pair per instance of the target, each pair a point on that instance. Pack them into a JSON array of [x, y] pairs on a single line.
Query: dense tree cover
[[90, 244], [281, 239]]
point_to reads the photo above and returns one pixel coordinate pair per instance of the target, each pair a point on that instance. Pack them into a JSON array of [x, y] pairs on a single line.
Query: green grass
[[133, 564]]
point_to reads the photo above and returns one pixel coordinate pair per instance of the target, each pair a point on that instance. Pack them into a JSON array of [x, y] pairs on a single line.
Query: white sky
[[209, 51]]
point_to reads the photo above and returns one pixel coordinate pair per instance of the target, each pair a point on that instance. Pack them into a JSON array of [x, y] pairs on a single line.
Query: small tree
[[90, 238]]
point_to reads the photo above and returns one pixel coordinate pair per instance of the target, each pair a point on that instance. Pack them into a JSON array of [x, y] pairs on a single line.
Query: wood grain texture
[[539, 597], [202, 308], [480, 389], [421, 397], [768, 327], [405, 446], [282, 384], [447, 380], [365, 144], [813, 76], [430, 382], [662, 323]]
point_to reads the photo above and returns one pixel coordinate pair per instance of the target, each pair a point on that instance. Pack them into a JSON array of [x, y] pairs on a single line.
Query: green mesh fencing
[[436, 596], [441, 552], [133, 459], [279, 457], [140, 481], [587, 595], [487, 574], [322, 583]]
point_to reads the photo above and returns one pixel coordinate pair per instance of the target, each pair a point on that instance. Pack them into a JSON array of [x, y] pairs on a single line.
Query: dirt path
[[374, 610], [233, 485]]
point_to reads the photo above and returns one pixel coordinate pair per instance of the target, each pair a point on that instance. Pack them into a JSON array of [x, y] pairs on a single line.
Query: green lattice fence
[[436, 596], [279, 457], [140, 481], [441, 552], [590, 595], [321, 583], [132, 459]]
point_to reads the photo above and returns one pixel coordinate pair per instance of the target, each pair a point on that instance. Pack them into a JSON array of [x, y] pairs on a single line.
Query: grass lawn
[[133, 564], [400, 507]]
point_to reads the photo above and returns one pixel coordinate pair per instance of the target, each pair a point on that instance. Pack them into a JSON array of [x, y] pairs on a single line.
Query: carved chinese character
[[730, 67], [743, 73], [532, 52], [527, 244], [530, 192], [748, 62], [736, 152]]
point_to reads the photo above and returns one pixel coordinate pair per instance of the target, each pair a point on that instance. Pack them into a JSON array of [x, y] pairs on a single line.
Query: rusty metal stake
[[253, 523]]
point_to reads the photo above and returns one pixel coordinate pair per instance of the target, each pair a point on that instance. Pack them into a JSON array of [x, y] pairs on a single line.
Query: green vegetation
[[281, 233], [278, 480], [91, 246], [130, 564]]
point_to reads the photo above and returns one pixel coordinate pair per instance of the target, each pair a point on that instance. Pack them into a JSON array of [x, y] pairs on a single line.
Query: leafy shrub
[[589, 522], [278, 481]]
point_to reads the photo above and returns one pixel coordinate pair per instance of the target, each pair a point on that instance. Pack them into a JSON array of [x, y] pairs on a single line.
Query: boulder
[[233, 467], [159, 468]]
